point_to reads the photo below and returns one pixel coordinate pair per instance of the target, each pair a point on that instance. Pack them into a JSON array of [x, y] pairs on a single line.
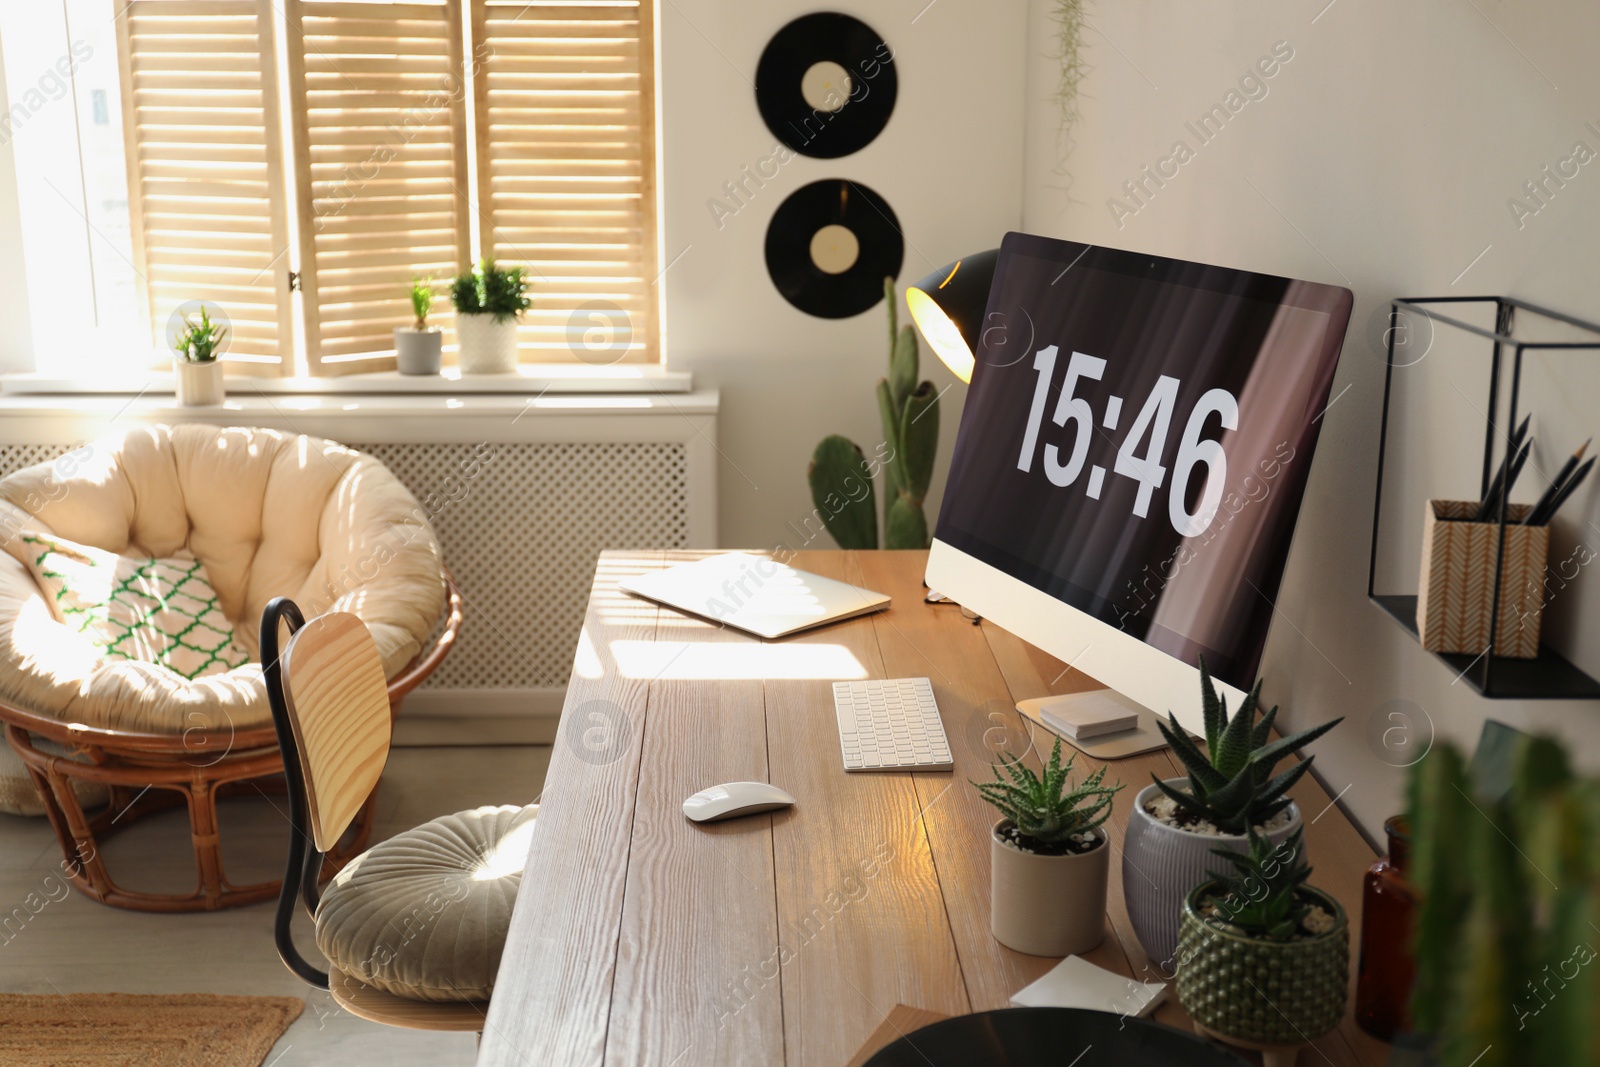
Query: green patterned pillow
[[161, 611]]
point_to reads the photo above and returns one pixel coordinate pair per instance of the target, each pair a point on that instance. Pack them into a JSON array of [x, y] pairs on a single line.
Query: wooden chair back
[[337, 700]]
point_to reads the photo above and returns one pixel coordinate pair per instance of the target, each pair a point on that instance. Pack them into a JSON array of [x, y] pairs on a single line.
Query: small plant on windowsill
[[489, 301], [417, 348], [196, 365], [1049, 857]]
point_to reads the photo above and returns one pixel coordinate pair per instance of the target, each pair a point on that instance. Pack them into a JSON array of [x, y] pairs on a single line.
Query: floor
[[74, 945]]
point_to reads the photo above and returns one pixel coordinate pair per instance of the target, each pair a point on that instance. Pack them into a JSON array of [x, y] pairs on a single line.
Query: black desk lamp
[[948, 307]]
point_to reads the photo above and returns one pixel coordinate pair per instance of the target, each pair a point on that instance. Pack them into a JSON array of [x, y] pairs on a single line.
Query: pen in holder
[[1456, 600]]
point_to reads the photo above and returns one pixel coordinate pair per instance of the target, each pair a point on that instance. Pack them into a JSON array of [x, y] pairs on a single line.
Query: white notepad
[[1077, 983], [1089, 714]]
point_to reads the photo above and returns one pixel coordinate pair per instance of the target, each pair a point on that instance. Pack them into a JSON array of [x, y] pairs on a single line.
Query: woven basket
[[1456, 600], [1265, 992]]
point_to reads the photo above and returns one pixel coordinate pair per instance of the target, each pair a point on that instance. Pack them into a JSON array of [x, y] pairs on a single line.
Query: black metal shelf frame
[[1551, 676]]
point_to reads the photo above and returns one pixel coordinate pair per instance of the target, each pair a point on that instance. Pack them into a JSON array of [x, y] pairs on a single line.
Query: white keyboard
[[890, 725]]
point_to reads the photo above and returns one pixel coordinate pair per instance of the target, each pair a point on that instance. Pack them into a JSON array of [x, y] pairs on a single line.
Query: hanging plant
[[1069, 18]]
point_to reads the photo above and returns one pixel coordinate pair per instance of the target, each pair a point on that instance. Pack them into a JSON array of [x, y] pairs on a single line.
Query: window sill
[[245, 404], [537, 380]]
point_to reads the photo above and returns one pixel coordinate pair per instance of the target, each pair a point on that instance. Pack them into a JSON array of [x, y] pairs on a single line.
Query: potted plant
[[1232, 787], [488, 301], [196, 345], [1263, 958], [1507, 953], [1049, 858], [417, 347]]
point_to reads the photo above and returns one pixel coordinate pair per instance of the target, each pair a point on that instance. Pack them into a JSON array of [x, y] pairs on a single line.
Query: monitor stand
[[1144, 737]]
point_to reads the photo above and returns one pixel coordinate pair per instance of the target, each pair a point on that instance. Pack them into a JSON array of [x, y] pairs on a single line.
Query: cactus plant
[[841, 475], [1510, 886], [1231, 784]]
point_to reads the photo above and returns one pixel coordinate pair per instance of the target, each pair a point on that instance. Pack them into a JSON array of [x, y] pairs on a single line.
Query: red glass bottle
[[1388, 911]]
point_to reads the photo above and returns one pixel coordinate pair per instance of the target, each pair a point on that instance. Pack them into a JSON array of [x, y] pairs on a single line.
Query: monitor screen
[[1137, 439]]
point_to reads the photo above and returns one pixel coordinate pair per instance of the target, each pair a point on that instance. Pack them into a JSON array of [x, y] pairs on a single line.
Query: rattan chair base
[[148, 773]]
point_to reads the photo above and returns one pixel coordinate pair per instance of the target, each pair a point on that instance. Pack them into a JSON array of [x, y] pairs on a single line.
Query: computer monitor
[[1131, 460]]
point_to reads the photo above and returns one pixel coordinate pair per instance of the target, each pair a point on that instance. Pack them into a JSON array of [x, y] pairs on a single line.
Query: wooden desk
[[640, 937]]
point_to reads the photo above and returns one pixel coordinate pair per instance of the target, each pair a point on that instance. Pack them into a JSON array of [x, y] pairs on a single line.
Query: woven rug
[[126, 1030]]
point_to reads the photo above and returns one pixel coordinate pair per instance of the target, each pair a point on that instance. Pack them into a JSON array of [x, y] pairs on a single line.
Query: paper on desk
[[1077, 983]]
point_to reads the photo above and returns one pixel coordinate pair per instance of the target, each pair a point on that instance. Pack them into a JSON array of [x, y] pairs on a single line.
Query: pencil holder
[[1455, 602]]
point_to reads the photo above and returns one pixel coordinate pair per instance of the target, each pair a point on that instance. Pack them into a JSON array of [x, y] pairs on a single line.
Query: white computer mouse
[[734, 799]]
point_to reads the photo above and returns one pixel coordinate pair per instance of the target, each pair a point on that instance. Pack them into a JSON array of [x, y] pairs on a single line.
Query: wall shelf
[[1549, 676]]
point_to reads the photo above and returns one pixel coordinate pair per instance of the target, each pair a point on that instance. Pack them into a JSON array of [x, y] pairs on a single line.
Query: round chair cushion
[[424, 914], [267, 513]]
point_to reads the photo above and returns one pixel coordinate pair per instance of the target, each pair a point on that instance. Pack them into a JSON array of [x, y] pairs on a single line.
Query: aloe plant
[[1232, 784], [1262, 894], [198, 339], [421, 300], [841, 475], [1041, 807], [1506, 939]]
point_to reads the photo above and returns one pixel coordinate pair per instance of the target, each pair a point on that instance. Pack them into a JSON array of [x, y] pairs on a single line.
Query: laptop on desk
[[755, 594]]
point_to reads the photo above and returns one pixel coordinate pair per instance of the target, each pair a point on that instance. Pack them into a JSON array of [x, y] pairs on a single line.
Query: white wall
[[1382, 158], [15, 331], [949, 164]]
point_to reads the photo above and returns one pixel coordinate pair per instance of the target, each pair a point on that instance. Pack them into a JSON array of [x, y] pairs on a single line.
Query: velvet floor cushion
[[424, 914]]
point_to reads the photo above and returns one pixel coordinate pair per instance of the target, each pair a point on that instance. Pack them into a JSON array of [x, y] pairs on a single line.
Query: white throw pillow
[[161, 611]]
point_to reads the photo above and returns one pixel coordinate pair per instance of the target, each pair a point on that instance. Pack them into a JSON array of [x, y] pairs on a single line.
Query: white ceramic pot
[[487, 346], [417, 351], [198, 384], [1047, 905], [1161, 864]]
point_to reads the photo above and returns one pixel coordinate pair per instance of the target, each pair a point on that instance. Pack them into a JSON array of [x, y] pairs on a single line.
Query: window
[[296, 163]]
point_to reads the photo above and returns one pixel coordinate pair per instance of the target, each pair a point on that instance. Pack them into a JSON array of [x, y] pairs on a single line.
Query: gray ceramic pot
[[417, 351], [1161, 864]]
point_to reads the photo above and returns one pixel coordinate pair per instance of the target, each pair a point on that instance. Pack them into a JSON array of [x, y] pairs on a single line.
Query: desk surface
[[639, 937]]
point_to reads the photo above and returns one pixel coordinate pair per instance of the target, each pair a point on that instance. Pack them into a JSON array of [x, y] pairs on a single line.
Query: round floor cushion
[[424, 914]]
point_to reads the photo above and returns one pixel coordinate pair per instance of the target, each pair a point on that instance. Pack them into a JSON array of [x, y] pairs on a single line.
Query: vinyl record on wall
[[826, 85], [830, 245]]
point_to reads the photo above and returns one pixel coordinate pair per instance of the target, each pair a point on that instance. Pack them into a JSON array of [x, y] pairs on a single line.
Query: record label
[[826, 85], [830, 245]]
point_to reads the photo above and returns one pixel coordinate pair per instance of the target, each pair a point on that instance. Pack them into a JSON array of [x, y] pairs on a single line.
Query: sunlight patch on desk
[[709, 660]]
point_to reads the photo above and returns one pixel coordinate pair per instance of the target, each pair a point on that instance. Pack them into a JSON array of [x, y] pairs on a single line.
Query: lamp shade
[[948, 307]]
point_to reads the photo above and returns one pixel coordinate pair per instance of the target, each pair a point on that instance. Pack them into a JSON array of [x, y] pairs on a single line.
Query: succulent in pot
[[418, 348], [1232, 787], [196, 363], [1263, 958], [489, 300], [1049, 856]]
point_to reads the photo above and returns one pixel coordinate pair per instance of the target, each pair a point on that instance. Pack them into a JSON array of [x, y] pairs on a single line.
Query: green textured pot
[[1264, 992]]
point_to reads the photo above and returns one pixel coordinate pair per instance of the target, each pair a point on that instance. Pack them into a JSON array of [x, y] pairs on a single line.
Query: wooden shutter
[[566, 164], [205, 180], [379, 129]]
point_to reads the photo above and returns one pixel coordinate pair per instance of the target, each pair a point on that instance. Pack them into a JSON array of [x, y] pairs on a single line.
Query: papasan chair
[[134, 574]]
